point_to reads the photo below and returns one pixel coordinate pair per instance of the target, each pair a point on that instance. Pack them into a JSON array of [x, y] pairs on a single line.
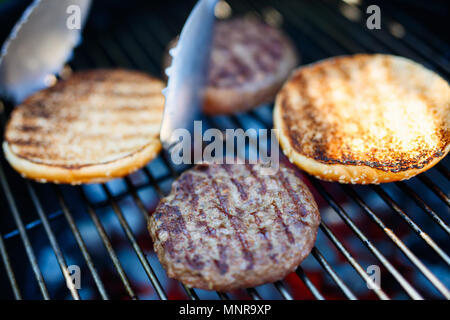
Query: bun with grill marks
[[92, 127], [224, 227], [364, 118]]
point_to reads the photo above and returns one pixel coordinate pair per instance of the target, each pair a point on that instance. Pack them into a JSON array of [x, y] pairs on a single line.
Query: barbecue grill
[[401, 229]]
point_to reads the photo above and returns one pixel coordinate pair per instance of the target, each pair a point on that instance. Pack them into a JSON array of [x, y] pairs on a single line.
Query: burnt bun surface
[[364, 118]]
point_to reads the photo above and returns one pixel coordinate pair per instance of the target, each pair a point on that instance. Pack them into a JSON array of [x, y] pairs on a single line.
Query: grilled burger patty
[[224, 227], [364, 118], [94, 126], [250, 60]]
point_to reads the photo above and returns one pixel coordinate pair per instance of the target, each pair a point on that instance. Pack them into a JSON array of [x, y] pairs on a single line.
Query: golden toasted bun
[[364, 119], [250, 61], [94, 126]]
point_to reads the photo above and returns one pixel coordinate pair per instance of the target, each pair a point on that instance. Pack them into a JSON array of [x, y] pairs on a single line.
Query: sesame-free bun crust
[[364, 118], [95, 126], [249, 63]]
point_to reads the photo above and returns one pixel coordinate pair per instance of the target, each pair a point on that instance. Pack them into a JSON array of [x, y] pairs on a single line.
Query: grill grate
[[401, 227]]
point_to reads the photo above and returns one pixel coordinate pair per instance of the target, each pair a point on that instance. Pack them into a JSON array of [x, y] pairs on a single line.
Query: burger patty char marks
[[229, 226]]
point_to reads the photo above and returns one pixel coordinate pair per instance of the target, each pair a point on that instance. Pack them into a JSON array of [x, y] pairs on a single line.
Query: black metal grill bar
[[139, 252], [359, 269], [430, 212], [282, 290], [428, 274], [329, 269], [443, 170], [223, 296], [414, 27], [109, 248], [51, 236], [253, 293], [345, 217], [23, 235], [396, 208], [9, 270], [405, 250], [81, 244], [101, 204], [302, 275], [438, 192], [31, 225], [414, 43], [387, 40]]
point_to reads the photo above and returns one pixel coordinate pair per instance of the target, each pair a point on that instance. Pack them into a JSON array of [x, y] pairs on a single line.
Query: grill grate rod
[[57, 213], [412, 44], [391, 203], [324, 263], [430, 212], [387, 40], [9, 270], [137, 248], [81, 244], [23, 235], [438, 192], [443, 170], [359, 269], [345, 217], [396, 208], [51, 236], [109, 248], [309, 283], [408, 253]]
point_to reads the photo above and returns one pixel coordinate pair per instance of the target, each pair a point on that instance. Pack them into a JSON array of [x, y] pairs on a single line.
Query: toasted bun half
[[250, 61], [364, 119], [94, 126]]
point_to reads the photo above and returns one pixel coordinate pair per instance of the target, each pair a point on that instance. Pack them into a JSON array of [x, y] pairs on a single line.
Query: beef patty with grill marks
[[364, 118], [249, 62], [224, 227], [92, 127]]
